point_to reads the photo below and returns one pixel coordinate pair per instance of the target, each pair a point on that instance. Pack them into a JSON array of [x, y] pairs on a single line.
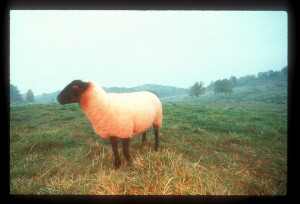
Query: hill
[[162, 91], [266, 87], [159, 90]]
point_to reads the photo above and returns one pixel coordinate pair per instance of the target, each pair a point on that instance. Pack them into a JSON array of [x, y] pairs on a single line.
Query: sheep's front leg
[[126, 149], [114, 145], [144, 137]]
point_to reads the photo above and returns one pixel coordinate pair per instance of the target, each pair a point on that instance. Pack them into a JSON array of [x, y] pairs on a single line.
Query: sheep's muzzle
[[60, 100]]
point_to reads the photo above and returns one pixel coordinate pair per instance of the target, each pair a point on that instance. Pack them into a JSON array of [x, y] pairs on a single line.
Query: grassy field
[[206, 150]]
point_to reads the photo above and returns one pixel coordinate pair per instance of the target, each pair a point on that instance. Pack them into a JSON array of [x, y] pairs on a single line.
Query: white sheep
[[116, 115]]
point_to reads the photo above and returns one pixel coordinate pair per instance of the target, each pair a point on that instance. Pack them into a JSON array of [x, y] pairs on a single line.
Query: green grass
[[203, 150]]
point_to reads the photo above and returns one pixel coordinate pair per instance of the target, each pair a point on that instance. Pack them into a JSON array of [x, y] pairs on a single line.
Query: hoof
[[129, 161], [117, 165]]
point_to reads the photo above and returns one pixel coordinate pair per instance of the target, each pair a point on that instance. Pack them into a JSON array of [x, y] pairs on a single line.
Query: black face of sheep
[[72, 92]]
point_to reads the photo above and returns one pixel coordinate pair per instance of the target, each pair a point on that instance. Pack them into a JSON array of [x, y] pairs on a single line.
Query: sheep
[[116, 115]]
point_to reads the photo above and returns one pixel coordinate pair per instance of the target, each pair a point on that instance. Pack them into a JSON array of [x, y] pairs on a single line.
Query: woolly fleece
[[121, 115]]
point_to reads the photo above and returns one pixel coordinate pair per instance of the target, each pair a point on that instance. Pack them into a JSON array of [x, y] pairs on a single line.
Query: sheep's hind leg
[[144, 137], [126, 149], [114, 145], [156, 140]]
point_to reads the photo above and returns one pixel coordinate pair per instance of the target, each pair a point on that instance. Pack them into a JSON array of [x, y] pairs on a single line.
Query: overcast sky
[[49, 49]]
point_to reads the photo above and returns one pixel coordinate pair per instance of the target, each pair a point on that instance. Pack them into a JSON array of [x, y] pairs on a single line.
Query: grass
[[205, 150]]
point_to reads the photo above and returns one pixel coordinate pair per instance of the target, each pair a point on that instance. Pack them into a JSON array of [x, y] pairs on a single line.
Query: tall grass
[[206, 151]]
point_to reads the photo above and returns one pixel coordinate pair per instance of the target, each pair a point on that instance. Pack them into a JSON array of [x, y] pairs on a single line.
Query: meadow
[[205, 149]]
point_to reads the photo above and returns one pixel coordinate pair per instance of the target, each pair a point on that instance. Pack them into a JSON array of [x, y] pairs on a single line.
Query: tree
[[233, 81], [29, 96], [270, 73], [284, 71], [218, 88], [197, 89], [223, 86], [246, 80], [210, 86], [15, 96], [261, 75]]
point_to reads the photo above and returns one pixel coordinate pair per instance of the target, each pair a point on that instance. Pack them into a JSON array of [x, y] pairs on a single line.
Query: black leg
[[126, 149], [144, 137], [156, 140], [114, 145]]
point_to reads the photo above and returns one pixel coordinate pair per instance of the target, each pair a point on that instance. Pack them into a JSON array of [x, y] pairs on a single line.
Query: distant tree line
[[45, 98], [16, 97], [222, 86], [159, 90], [29, 96], [226, 85], [262, 76]]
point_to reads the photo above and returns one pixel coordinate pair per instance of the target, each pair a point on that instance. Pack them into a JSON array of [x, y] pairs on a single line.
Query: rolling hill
[[266, 87]]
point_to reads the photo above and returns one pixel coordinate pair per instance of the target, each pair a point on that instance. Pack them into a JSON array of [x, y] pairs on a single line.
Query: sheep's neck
[[94, 102]]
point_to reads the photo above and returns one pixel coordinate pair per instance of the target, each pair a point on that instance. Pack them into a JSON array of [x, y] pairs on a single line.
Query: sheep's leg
[[144, 137], [114, 145], [126, 149], [156, 140]]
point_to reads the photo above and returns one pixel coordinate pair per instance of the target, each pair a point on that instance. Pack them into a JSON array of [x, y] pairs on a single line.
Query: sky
[[51, 48]]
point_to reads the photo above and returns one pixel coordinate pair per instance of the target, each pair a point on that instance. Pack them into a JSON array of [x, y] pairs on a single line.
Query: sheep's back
[[142, 108]]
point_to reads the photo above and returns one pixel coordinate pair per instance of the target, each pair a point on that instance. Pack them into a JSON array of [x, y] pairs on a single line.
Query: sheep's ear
[[74, 87]]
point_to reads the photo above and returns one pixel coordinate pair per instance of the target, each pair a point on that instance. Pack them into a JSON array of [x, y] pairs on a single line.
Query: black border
[[154, 4], [262, 5]]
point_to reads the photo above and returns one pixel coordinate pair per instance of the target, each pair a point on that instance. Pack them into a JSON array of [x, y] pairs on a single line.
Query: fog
[[49, 49]]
